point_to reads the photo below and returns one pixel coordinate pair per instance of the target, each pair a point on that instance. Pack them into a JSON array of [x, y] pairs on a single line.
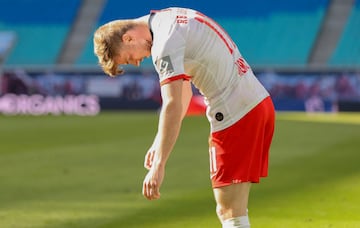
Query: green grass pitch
[[77, 172]]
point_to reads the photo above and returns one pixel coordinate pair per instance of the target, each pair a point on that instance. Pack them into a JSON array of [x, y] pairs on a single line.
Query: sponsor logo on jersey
[[219, 116], [164, 65]]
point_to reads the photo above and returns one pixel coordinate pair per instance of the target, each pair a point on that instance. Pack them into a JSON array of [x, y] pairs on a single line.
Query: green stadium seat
[[280, 39], [37, 44], [347, 53], [41, 28], [267, 33]]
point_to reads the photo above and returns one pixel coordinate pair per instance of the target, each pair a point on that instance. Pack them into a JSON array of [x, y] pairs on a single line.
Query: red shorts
[[240, 153]]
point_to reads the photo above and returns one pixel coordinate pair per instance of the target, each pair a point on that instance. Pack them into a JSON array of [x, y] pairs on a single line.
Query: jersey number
[[212, 156]]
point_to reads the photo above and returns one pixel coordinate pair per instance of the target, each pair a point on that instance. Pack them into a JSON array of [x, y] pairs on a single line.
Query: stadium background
[[67, 160], [307, 53]]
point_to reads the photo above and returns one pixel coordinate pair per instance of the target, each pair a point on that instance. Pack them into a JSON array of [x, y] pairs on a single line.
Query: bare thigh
[[232, 200]]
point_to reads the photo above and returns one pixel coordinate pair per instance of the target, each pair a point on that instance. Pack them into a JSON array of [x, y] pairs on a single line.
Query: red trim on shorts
[[174, 78], [240, 153]]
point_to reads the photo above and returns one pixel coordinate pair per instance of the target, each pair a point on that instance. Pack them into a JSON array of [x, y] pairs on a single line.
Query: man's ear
[[126, 38]]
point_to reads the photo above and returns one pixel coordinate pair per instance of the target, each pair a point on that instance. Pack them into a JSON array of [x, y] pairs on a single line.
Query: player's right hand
[[152, 182]]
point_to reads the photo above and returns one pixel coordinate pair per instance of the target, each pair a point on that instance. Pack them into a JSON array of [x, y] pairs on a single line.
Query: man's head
[[122, 42]]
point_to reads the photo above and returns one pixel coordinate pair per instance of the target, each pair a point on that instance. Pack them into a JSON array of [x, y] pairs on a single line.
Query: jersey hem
[[241, 115]]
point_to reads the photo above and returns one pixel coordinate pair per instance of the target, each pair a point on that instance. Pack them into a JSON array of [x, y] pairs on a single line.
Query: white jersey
[[189, 45]]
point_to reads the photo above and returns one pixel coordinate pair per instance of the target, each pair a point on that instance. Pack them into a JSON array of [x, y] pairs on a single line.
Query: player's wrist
[[159, 164]]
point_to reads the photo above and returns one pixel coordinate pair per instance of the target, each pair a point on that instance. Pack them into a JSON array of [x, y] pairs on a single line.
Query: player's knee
[[223, 212], [229, 211]]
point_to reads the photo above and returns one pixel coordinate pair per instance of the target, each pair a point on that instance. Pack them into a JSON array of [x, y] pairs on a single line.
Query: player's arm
[[176, 98], [186, 96], [170, 119], [171, 116]]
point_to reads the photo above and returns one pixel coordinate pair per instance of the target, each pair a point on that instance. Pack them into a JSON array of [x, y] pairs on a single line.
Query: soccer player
[[188, 47]]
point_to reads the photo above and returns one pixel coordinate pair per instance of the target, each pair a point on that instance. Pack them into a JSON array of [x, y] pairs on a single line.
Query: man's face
[[134, 49]]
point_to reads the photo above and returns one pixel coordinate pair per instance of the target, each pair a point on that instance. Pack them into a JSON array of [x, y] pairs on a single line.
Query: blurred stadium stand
[[302, 50], [277, 33], [347, 52], [41, 28], [268, 33]]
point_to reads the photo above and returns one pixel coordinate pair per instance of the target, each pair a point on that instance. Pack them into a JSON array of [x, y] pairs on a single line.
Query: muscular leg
[[232, 200]]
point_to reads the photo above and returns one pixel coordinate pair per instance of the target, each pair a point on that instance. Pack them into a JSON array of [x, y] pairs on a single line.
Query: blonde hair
[[108, 42]]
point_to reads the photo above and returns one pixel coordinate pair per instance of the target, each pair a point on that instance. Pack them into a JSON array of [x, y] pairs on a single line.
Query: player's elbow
[[173, 109]]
